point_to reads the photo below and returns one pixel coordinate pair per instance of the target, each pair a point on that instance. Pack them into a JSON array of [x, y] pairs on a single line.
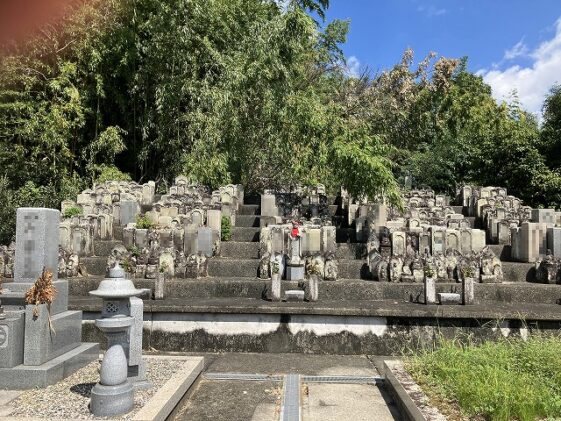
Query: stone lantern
[[114, 394]]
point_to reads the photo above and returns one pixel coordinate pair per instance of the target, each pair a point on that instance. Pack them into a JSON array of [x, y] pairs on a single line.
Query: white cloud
[[431, 11], [353, 66], [532, 82], [519, 50]]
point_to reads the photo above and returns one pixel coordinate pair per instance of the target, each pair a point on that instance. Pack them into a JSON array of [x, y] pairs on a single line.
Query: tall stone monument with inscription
[[39, 345]]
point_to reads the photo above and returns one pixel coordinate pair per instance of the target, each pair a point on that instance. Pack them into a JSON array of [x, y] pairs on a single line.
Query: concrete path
[[243, 400]]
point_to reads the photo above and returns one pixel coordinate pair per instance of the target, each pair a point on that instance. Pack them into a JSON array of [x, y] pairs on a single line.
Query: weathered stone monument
[[39, 345]]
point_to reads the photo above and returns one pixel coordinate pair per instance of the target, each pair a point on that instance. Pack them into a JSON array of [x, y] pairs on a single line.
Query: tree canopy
[[253, 92]]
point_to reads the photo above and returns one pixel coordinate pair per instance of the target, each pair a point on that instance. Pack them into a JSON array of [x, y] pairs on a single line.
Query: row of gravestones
[[468, 197], [425, 198], [313, 249], [113, 204], [154, 262], [431, 241], [482, 266], [170, 218], [184, 197], [180, 253]]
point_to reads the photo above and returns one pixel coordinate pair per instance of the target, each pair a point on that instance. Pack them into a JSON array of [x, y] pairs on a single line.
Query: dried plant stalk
[[42, 291]]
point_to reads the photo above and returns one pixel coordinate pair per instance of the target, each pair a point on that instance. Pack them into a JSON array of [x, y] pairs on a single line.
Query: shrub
[[226, 229], [142, 222], [72, 211]]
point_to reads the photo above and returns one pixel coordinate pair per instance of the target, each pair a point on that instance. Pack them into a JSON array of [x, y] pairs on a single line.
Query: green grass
[[506, 380]]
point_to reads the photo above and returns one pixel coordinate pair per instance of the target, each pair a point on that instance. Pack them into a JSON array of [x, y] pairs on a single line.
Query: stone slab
[[37, 240], [43, 343], [554, 241], [446, 298], [29, 377], [294, 295], [295, 273], [14, 295], [11, 339], [130, 210]]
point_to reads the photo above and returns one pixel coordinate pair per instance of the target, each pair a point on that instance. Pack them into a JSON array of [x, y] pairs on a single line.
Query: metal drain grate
[[290, 410], [243, 377], [343, 379]]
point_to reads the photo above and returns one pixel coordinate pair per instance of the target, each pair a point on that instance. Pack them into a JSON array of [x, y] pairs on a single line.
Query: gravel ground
[[70, 398]]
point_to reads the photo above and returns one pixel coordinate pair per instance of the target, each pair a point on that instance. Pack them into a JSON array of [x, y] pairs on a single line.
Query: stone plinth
[[46, 340], [295, 272], [11, 339]]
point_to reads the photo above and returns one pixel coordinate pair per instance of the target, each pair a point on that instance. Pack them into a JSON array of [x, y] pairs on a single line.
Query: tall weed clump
[[505, 380]]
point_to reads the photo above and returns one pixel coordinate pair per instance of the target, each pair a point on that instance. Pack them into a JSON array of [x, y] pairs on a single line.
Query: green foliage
[[511, 379], [143, 222], [110, 173], [275, 267], [250, 92], [72, 211], [225, 229]]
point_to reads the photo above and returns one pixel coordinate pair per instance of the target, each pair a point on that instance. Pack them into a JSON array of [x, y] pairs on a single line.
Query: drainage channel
[[291, 406]]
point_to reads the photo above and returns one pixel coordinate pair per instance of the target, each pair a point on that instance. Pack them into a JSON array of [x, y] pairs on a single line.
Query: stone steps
[[502, 251], [248, 268], [242, 268], [248, 220], [245, 234], [345, 235], [343, 290], [95, 265], [239, 250], [250, 250], [351, 251], [248, 210], [104, 247]]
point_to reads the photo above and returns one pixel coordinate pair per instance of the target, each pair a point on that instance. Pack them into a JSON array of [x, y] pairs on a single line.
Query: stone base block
[[46, 339], [11, 339], [295, 273], [29, 377], [489, 279], [110, 401], [14, 295], [294, 295], [447, 298]]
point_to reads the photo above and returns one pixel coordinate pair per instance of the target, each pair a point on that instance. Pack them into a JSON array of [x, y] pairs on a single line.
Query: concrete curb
[[407, 407], [404, 403], [160, 406]]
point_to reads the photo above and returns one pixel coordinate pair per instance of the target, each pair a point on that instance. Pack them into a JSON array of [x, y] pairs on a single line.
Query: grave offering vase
[[114, 394]]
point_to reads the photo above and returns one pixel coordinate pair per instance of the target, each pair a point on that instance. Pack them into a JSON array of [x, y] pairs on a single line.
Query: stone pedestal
[[295, 272], [447, 298]]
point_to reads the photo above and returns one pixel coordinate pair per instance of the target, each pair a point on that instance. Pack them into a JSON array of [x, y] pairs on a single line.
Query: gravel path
[[70, 398]]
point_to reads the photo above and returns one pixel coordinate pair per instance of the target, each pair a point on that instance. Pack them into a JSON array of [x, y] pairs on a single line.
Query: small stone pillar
[[114, 394], [468, 290], [430, 290]]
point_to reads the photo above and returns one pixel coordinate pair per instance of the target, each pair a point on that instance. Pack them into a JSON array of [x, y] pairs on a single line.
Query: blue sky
[[513, 44]]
